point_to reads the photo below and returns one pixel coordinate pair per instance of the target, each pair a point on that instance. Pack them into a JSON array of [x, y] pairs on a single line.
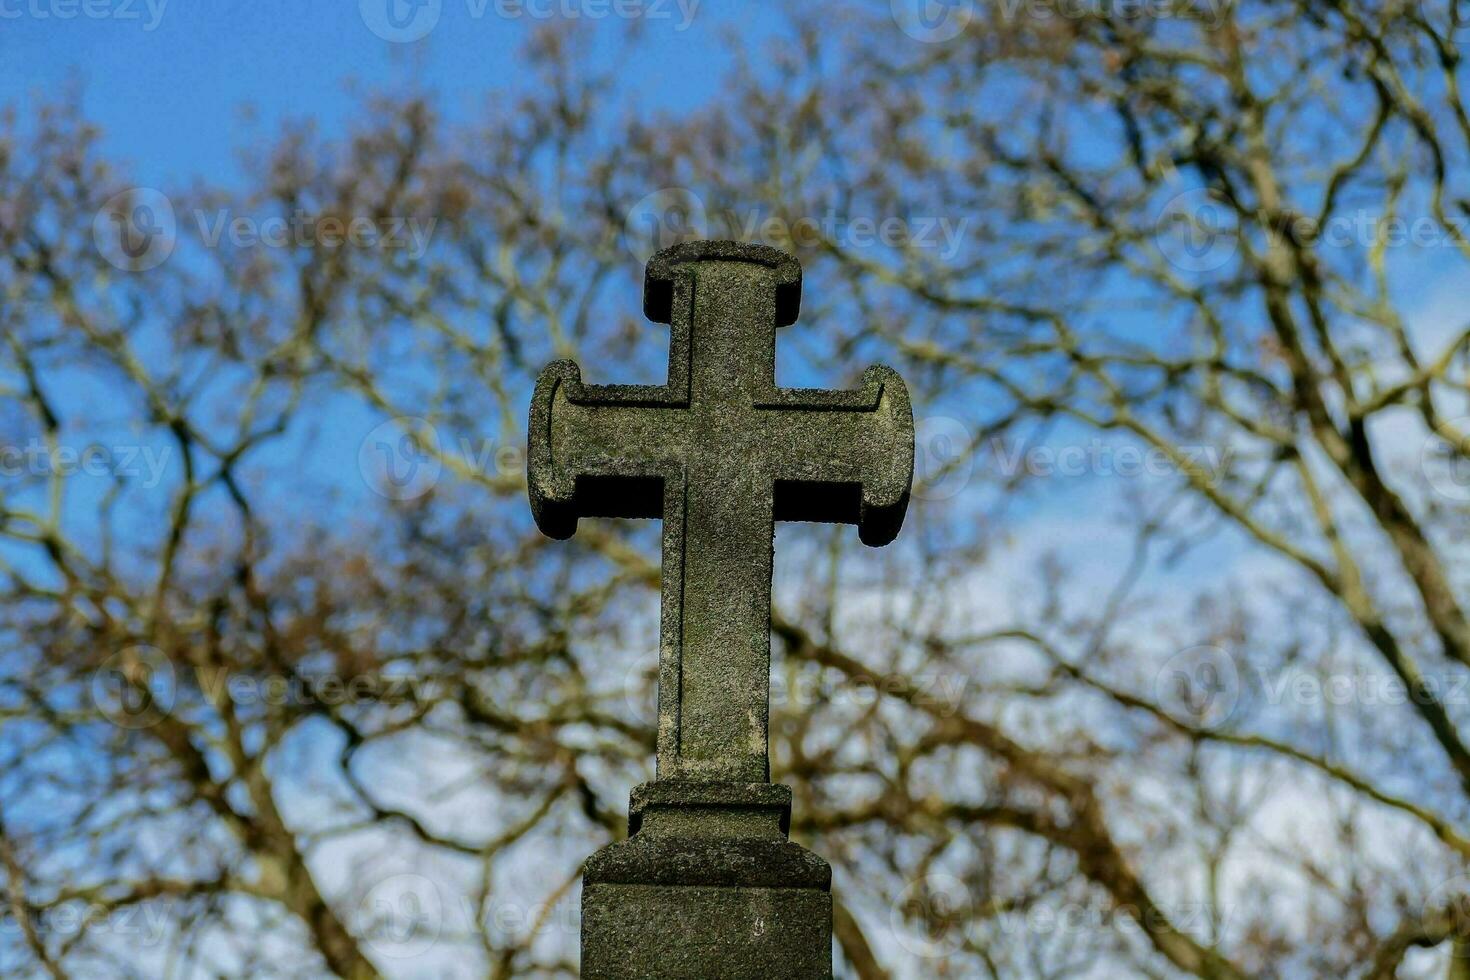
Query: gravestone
[[707, 883]]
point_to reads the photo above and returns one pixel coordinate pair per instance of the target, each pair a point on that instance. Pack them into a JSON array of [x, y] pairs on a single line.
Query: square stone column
[[707, 885]]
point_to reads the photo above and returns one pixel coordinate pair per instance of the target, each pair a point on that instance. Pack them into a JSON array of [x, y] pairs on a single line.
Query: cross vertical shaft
[[715, 656]]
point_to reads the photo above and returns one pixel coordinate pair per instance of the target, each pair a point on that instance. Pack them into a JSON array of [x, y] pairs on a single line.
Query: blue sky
[[170, 83]]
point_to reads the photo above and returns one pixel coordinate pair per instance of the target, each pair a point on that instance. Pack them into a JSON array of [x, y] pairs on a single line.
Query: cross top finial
[[658, 276], [719, 452]]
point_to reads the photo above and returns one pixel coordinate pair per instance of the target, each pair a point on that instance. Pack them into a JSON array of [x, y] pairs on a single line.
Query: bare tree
[[1166, 677]]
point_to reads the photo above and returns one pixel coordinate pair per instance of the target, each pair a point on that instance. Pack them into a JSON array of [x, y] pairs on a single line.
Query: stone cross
[[719, 453]]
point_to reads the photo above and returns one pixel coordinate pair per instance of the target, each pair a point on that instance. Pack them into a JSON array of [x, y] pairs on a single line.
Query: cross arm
[[598, 450], [845, 456]]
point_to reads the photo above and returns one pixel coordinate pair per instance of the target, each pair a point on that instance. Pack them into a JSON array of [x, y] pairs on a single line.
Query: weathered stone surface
[[770, 799], [707, 885], [687, 833], [701, 933], [719, 452]]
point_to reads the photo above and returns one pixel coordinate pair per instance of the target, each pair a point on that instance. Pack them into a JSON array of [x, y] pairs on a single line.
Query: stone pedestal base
[[707, 886], [695, 933]]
